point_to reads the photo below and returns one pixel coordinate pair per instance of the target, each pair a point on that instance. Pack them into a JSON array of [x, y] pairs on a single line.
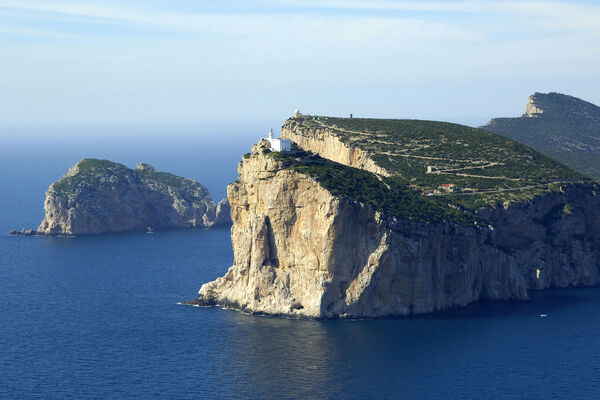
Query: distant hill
[[562, 127]]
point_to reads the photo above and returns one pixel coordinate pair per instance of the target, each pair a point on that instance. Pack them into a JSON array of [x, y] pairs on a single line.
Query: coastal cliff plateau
[[100, 196], [317, 238]]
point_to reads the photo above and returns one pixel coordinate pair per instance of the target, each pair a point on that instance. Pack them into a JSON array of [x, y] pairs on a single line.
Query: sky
[[213, 63]]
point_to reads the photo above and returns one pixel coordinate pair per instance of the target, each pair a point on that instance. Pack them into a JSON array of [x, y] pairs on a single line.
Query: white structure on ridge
[[279, 144]]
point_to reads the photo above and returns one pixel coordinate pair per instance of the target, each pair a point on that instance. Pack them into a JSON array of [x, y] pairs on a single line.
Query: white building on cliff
[[279, 144]]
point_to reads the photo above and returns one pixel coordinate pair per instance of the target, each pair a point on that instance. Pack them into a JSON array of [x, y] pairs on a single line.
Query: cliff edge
[[100, 196]]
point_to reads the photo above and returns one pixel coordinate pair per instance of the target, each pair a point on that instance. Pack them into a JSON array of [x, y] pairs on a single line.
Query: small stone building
[[279, 144], [449, 187]]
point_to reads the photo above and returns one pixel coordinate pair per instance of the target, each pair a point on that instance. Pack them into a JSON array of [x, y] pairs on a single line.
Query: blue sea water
[[98, 317]]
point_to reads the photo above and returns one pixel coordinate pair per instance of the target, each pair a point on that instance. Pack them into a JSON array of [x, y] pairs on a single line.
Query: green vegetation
[[93, 165], [486, 168], [104, 174], [90, 172], [568, 209], [166, 178], [389, 195]]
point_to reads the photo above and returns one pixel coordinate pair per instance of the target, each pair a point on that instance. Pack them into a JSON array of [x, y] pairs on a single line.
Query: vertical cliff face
[[533, 109], [301, 251], [282, 241], [319, 139]]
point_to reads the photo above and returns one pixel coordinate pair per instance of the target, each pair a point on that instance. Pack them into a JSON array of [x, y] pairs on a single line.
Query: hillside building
[[279, 144], [449, 187]]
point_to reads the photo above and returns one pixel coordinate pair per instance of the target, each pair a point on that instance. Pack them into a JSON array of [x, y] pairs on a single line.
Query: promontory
[[100, 196], [376, 218], [560, 126]]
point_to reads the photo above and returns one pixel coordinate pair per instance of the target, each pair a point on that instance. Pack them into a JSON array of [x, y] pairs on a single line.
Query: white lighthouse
[[279, 144]]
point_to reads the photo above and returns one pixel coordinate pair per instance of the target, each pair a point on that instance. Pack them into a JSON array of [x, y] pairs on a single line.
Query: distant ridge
[[562, 127]]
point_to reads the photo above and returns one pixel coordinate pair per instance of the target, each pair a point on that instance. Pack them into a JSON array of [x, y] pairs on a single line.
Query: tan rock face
[[532, 110], [327, 145], [299, 251], [281, 241]]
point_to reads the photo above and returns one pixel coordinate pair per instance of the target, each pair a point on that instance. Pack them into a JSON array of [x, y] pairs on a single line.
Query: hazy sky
[[226, 61]]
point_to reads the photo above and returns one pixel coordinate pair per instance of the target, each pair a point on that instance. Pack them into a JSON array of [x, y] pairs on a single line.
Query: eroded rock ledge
[[321, 140]]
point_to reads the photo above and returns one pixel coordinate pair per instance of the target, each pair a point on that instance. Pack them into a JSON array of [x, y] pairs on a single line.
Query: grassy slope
[[552, 138], [498, 168], [388, 195], [104, 174]]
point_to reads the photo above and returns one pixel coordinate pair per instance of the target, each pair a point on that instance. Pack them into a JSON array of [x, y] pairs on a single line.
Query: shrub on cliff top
[[388, 195]]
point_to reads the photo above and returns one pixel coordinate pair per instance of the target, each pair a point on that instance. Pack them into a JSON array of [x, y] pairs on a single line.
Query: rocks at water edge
[[23, 232]]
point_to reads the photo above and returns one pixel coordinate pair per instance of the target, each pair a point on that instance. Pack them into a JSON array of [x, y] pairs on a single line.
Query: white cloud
[[258, 62], [554, 14], [525, 15], [291, 27], [31, 32]]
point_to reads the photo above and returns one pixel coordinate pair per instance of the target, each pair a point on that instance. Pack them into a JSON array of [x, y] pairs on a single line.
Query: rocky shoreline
[[24, 232]]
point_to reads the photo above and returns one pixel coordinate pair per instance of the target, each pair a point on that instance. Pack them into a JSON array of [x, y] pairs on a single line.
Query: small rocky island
[[100, 196]]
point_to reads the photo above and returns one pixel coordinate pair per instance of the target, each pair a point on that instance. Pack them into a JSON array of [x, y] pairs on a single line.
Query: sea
[[99, 317]]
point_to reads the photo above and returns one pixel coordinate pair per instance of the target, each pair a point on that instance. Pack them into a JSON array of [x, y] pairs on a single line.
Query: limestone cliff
[[320, 139], [99, 196], [302, 251]]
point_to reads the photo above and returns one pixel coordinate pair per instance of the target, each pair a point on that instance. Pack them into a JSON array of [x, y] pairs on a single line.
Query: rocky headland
[[563, 127], [100, 196], [377, 218]]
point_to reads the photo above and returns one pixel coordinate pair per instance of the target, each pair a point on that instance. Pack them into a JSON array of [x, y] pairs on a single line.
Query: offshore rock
[[300, 251], [23, 232], [99, 196]]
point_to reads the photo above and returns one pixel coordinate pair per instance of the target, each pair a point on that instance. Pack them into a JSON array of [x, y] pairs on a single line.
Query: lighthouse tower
[[279, 144]]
